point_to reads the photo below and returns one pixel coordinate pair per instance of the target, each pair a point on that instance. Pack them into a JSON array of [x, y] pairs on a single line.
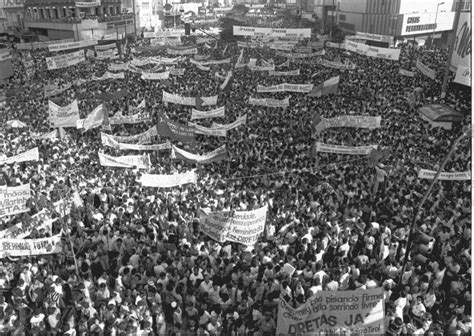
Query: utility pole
[[134, 20], [444, 86]]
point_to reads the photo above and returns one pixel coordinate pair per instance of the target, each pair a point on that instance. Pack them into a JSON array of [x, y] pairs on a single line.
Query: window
[[342, 17]]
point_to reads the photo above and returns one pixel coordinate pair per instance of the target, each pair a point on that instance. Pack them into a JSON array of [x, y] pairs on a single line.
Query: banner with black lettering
[[285, 73], [72, 45], [445, 176], [356, 312], [136, 118], [66, 60], [218, 112], [30, 247], [407, 73], [371, 51], [198, 129], [63, 116], [182, 52], [13, 199], [355, 121], [268, 102], [216, 155], [336, 65], [109, 75], [174, 130], [188, 101], [169, 181], [425, 70], [110, 141], [155, 75], [295, 55], [285, 87], [294, 33], [144, 137], [128, 161], [348, 150], [29, 155], [118, 67], [241, 120], [41, 222]]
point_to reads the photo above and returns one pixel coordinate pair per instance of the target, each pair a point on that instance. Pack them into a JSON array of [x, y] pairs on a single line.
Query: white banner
[[41, 222], [110, 141], [241, 120], [371, 51], [109, 75], [284, 73], [93, 119], [40, 45], [189, 101], [169, 181], [244, 227], [30, 247], [349, 150], [407, 73], [198, 129], [218, 112], [66, 60], [356, 312], [215, 155], [182, 52], [49, 135], [430, 174], [285, 87], [337, 65], [72, 45], [226, 80], [155, 75], [136, 118], [272, 32], [428, 72], [87, 4], [118, 67], [13, 199], [177, 71], [295, 55], [355, 121], [129, 161], [463, 75], [106, 54], [63, 116], [142, 138], [103, 47], [29, 155], [269, 102]]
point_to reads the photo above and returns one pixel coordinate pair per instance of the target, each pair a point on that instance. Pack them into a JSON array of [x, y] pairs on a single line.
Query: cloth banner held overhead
[[241, 120], [48, 135], [349, 150], [118, 67], [174, 130], [109, 75], [294, 55], [13, 199], [357, 312], [155, 75], [41, 222], [128, 161], [63, 116], [144, 137], [261, 67], [94, 119], [218, 112], [136, 118], [285, 87], [371, 51], [53, 90], [30, 247], [72, 45], [216, 155], [108, 140], [329, 86], [242, 227], [268, 102], [66, 60], [103, 47], [294, 33], [198, 129], [407, 73], [428, 72], [177, 71], [211, 62], [349, 121], [182, 52], [447, 176], [284, 73], [189, 101], [169, 181], [29, 155]]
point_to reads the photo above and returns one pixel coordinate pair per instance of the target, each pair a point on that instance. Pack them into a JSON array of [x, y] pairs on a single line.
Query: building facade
[[53, 20], [12, 13]]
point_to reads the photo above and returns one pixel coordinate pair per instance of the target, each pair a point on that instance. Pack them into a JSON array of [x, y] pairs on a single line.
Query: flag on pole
[[328, 87]]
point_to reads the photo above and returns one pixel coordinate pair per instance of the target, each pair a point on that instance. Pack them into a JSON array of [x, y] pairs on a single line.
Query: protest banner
[[198, 129], [261, 67], [128, 161], [106, 54], [189, 101], [169, 181], [446, 176], [63, 116], [41, 222], [71, 45], [227, 81], [407, 73], [241, 120], [336, 65], [30, 247], [425, 70], [29, 155], [94, 119], [103, 47], [155, 75], [182, 52], [356, 312], [144, 137], [269, 102], [218, 112], [216, 155], [140, 106], [355, 121], [176, 71], [110, 141], [112, 96], [54, 90], [294, 55], [371, 51], [174, 130], [285, 87], [284, 73], [349, 150], [242, 227], [136, 118], [13, 199], [66, 60], [118, 67], [109, 75], [48, 135], [272, 32], [40, 45]]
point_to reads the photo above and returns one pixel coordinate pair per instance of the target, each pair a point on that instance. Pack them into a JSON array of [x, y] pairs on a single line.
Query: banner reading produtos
[[13, 199], [430, 174], [285, 87], [349, 121], [66, 60], [218, 112], [30, 155], [357, 312], [349, 150], [216, 155], [109, 75], [269, 102], [241, 227], [30, 247], [189, 101], [129, 161], [168, 181], [64, 116]]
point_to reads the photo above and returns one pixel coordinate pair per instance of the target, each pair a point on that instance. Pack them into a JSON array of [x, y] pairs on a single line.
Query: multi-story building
[[13, 11], [54, 20]]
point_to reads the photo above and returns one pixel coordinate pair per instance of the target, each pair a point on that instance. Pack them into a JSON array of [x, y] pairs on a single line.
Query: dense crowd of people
[[134, 260]]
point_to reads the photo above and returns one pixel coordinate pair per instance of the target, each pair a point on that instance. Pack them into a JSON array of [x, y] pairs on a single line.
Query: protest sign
[[108, 140], [269, 102], [40, 45], [63, 116], [336, 65], [407, 73], [285, 87], [72, 45], [218, 112], [129, 161], [241, 120], [118, 67], [94, 119], [168, 181], [103, 47], [198, 129], [182, 52], [355, 121], [447, 176], [349, 150], [189, 101], [143, 137], [30, 247], [294, 33], [13, 199], [372, 51], [41, 222], [155, 75], [109, 75], [216, 155], [294, 55], [54, 90], [425, 70], [29, 155], [48, 135], [136, 118], [174, 130], [357, 312], [66, 60]]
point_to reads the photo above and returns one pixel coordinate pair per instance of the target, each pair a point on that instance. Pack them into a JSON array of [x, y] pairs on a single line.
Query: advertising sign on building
[[461, 61], [426, 23]]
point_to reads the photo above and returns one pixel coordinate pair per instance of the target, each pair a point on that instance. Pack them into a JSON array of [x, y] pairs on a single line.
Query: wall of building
[[424, 6]]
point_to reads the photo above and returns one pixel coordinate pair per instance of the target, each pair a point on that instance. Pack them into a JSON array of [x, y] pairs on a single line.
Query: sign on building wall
[[426, 23], [461, 61]]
